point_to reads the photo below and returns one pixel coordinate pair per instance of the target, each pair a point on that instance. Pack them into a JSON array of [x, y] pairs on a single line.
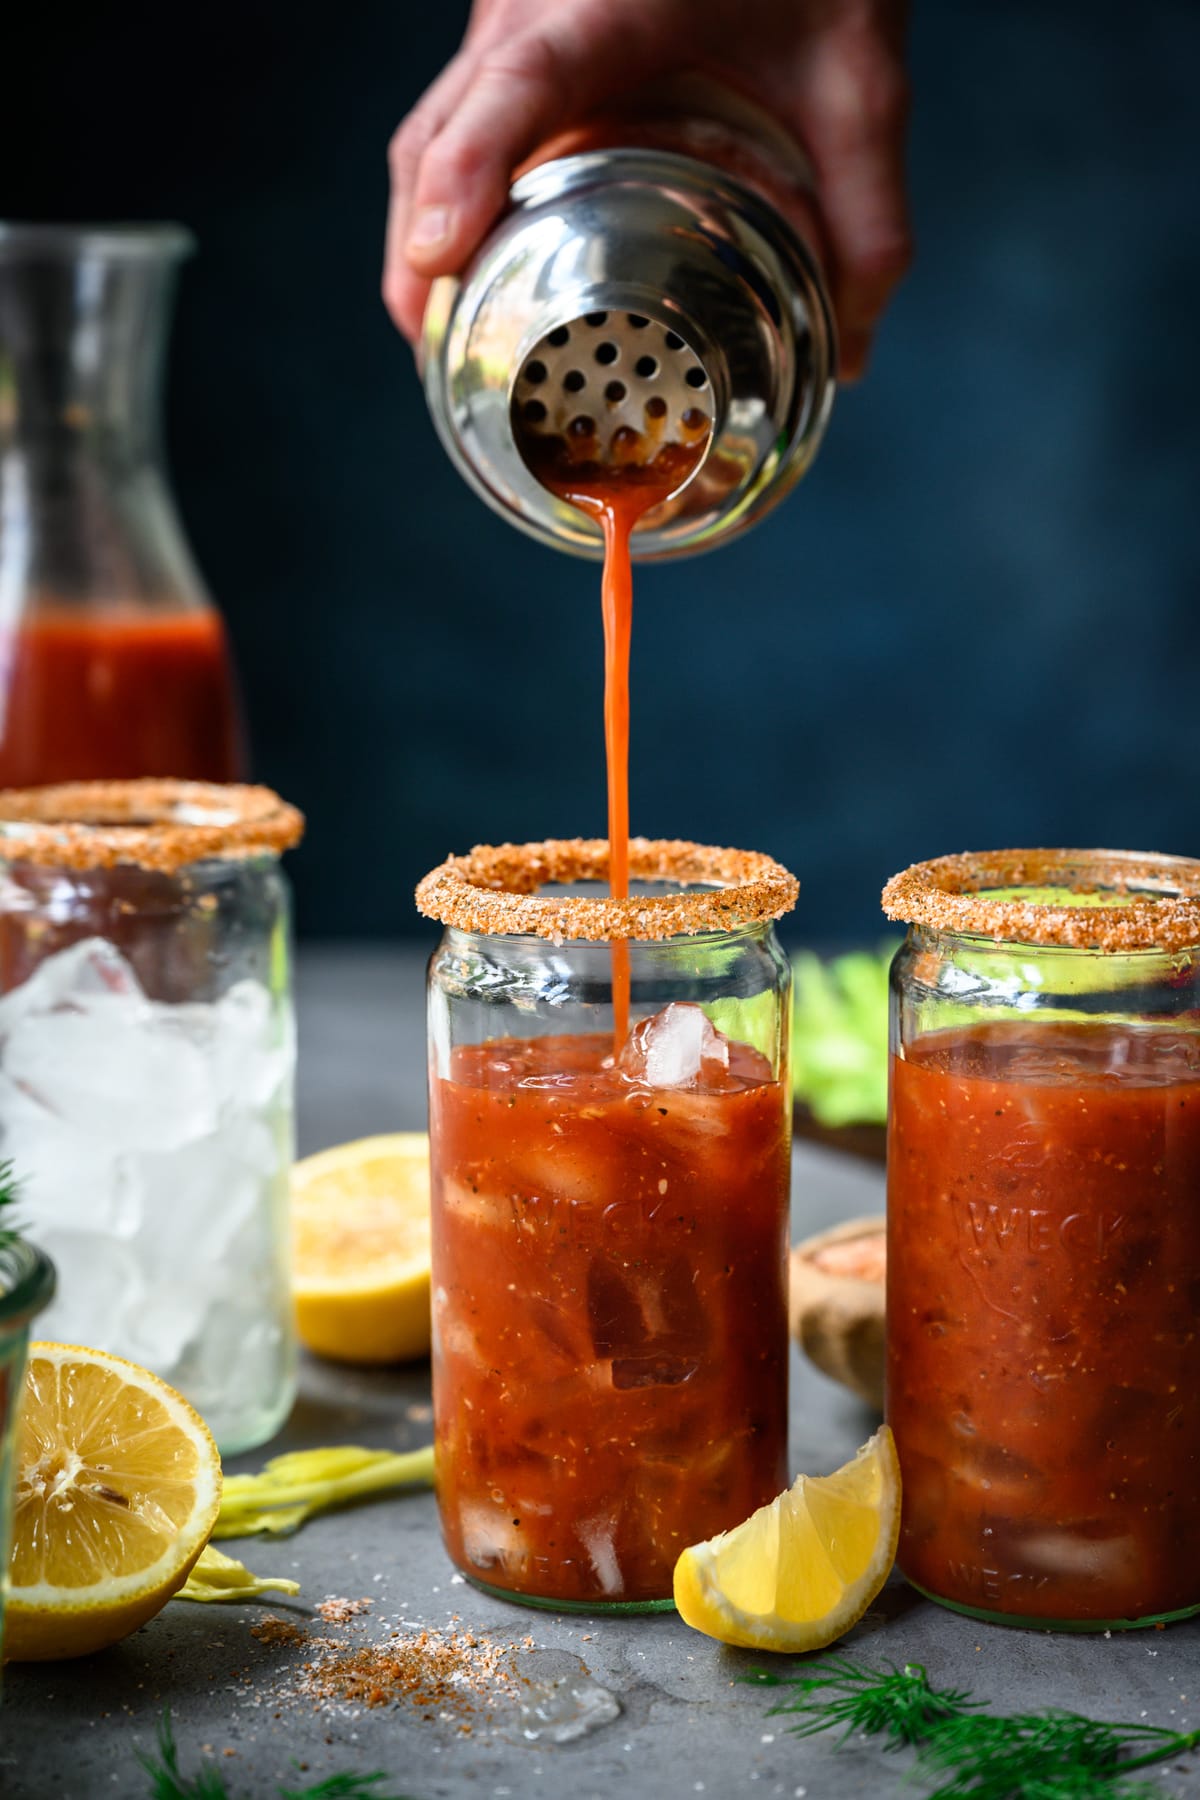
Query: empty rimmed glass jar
[[26, 1289], [147, 1062], [1044, 1235], [610, 1218]]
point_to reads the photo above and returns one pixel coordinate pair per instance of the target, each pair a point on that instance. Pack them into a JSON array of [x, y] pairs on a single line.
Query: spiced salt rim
[[495, 890], [1147, 901], [152, 824]]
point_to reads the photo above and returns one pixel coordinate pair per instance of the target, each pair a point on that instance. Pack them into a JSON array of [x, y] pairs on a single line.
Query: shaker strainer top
[[633, 303], [613, 390]]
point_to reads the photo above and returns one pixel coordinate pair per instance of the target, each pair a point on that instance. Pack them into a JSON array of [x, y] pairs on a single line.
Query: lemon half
[[361, 1249], [801, 1571], [118, 1487]]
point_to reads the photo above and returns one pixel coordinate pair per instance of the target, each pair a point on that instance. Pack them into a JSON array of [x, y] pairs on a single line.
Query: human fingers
[[523, 88], [404, 290], [851, 109]]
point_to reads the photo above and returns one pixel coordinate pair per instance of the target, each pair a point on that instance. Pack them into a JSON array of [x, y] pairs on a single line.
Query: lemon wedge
[[801, 1571], [361, 1249], [117, 1489]]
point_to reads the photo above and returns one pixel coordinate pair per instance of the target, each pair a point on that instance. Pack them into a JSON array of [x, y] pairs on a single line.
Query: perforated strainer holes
[[696, 378], [656, 407], [606, 352], [534, 412], [595, 319], [646, 367], [674, 341], [582, 427], [559, 336], [694, 420], [535, 372], [574, 381], [614, 393], [636, 321]]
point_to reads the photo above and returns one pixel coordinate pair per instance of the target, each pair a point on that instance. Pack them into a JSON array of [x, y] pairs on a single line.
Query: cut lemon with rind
[[118, 1485], [802, 1570], [361, 1249]]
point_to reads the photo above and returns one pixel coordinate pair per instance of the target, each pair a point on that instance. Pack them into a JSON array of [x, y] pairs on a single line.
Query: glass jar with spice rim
[[610, 1125], [147, 1057], [1044, 1234]]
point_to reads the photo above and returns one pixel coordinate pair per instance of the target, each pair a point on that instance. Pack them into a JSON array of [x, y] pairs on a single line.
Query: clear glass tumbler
[[26, 1289], [146, 1078], [1043, 1306], [610, 1219]]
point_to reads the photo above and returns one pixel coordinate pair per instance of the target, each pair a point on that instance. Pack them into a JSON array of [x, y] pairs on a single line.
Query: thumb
[[523, 90]]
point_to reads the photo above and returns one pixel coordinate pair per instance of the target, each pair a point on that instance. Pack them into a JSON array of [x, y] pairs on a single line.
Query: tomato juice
[[112, 695], [1043, 1308], [610, 1309]]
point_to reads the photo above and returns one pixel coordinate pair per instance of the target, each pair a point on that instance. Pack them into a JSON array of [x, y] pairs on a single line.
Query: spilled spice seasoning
[[336, 1611], [274, 1630]]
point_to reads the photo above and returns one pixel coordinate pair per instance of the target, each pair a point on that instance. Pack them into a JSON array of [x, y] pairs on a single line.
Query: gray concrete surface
[[687, 1725]]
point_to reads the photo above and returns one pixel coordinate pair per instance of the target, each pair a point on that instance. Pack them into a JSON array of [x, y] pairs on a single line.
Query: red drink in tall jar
[[1043, 1306], [610, 1306]]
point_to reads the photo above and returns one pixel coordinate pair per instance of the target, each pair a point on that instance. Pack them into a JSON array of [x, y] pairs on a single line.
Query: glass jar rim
[[1139, 900], [160, 825], [31, 1284], [494, 890]]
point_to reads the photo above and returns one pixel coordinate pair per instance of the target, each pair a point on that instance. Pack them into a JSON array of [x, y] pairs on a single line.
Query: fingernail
[[430, 228]]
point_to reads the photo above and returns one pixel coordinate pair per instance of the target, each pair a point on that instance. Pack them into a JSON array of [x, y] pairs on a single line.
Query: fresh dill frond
[[900, 1705], [966, 1753], [10, 1188], [167, 1783], [342, 1787], [1034, 1756]]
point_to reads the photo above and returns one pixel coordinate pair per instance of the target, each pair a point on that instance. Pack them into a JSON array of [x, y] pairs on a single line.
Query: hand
[[830, 71]]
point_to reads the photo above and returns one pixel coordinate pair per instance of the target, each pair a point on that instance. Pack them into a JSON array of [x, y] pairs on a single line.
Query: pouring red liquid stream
[[618, 497]]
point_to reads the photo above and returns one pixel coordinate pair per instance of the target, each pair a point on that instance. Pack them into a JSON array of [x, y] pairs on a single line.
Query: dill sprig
[[966, 1753], [168, 1783], [898, 1704], [10, 1230]]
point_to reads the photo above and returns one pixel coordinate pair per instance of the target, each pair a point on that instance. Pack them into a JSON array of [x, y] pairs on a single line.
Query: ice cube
[[93, 969], [678, 1047], [99, 1285], [66, 1178], [650, 1324], [82, 1040]]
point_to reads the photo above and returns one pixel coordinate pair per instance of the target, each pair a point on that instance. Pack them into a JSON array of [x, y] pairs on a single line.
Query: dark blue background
[[975, 623]]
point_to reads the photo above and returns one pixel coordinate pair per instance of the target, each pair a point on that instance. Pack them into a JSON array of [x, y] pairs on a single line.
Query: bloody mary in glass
[[610, 1232], [1044, 1263]]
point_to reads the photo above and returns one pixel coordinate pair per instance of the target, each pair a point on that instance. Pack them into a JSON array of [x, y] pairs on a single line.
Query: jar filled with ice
[[610, 1124], [147, 1059]]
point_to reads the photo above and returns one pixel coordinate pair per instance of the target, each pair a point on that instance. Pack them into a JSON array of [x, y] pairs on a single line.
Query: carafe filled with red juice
[[113, 659], [610, 1214], [1043, 1304]]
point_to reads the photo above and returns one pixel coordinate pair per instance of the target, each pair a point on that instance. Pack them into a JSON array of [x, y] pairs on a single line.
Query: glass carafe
[[113, 659]]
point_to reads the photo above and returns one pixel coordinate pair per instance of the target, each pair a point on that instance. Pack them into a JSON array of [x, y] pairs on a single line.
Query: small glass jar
[[610, 1219], [1044, 1235], [147, 1060], [26, 1289]]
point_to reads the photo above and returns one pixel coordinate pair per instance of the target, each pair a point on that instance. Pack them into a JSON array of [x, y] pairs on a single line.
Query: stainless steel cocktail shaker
[[623, 289]]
